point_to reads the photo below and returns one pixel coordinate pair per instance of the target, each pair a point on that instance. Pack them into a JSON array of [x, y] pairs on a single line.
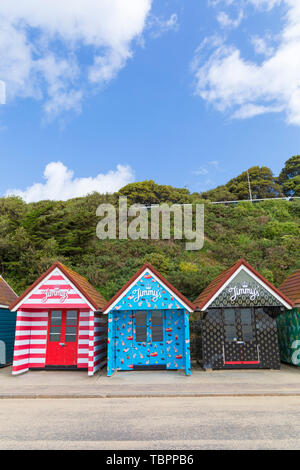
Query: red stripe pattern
[[83, 340], [55, 291], [30, 341], [99, 342], [241, 362], [91, 344]]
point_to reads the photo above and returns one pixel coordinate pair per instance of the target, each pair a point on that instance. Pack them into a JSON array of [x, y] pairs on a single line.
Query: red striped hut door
[[62, 338]]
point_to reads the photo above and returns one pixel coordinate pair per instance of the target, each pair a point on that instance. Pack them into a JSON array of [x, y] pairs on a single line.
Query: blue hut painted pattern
[[148, 293], [149, 298]]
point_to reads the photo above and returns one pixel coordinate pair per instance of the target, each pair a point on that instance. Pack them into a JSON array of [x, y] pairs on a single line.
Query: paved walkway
[[76, 384], [151, 423]]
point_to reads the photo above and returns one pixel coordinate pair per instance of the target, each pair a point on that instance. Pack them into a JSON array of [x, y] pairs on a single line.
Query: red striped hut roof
[[291, 287], [220, 280], [84, 287]]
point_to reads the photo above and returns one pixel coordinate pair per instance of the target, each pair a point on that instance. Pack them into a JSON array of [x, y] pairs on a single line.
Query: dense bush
[[33, 236]]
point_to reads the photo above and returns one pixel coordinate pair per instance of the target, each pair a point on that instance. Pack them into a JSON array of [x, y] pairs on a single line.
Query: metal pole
[[250, 192]]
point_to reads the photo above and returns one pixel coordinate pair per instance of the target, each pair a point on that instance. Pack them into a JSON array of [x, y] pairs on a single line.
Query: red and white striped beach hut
[[59, 324]]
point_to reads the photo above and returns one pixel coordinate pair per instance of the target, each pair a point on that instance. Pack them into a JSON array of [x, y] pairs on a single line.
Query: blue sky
[[189, 93]]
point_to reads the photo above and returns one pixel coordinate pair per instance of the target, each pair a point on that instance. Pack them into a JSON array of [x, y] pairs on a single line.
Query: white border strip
[[257, 279], [54, 271], [146, 270]]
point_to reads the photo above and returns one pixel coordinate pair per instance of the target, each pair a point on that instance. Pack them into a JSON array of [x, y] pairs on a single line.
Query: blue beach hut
[[148, 325], [7, 323]]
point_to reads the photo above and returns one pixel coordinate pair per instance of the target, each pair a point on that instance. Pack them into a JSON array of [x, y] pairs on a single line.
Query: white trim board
[[147, 270], [257, 279], [55, 271]]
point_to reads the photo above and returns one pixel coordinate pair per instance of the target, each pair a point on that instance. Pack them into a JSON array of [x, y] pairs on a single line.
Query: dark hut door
[[240, 345]]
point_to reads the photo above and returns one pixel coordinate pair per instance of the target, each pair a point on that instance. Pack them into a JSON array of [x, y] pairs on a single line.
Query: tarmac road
[[151, 423]]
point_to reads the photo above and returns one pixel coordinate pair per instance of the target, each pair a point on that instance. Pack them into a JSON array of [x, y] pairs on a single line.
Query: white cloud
[[250, 110], [246, 88], [261, 4], [208, 168], [2, 92], [60, 184], [201, 171], [267, 4], [261, 45], [41, 45], [160, 26], [227, 22]]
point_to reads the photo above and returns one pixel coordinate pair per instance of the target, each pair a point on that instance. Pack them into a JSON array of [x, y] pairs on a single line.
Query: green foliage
[[291, 169], [148, 192], [33, 236], [289, 177], [292, 186], [275, 229], [221, 193], [159, 262], [188, 267], [267, 273], [263, 184]]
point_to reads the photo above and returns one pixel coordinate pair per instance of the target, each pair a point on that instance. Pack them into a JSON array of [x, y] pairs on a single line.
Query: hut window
[[247, 327], [141, 327], [55, 326], [55, 333], [71, 328], [56, 317], [214, 314], [157, 327], [72, 317], [230, 325]]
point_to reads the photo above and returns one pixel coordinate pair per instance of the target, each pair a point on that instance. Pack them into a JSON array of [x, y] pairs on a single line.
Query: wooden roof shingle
[[7, 295], [291, 287]]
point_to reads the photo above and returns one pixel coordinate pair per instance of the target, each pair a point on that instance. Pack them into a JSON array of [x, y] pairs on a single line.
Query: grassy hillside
[[33, 236]]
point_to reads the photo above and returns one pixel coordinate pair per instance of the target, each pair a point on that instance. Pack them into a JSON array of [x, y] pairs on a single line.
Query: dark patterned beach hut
[[239, 310]]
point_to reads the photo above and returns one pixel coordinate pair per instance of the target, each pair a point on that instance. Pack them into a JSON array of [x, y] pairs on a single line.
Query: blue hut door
[[149, 344], [140, 340], [157, 340], [122, 332]]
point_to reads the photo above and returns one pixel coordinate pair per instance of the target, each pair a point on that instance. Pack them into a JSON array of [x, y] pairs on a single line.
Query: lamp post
[[249, 185]]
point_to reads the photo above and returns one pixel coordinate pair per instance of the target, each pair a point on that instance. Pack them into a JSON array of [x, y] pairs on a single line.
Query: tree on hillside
[[263, 184], [14, 208], [148, 192], [289, 176], [221, 193]]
